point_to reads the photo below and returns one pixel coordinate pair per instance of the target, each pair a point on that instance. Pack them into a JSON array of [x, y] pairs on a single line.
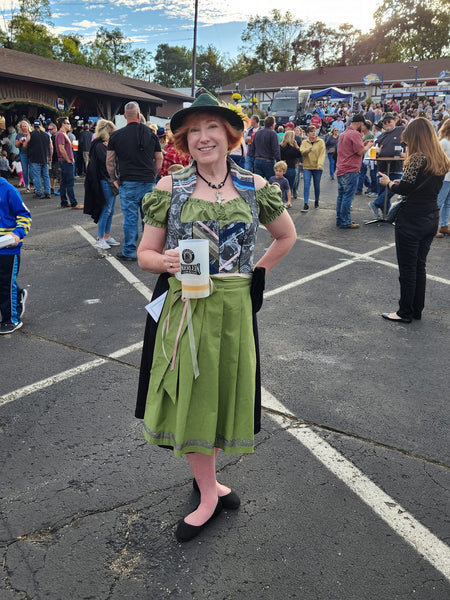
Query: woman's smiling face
[[207, 139]]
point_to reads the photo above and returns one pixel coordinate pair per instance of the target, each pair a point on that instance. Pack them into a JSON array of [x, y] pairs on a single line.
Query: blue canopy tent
[[333, 93]]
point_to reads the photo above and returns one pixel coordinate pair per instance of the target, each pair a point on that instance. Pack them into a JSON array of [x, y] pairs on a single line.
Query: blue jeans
[[363, 180], [315, 175], [37, 171], [290, 176], [67, 183], [131, 194], [346, 191], [249, 163], [25, 167], [443, 201], [379, 202], [264, 168], [105, 220], [332, 165]]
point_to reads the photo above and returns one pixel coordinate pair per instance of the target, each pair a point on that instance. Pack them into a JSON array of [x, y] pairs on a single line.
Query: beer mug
[[373, 153], [194, 268]]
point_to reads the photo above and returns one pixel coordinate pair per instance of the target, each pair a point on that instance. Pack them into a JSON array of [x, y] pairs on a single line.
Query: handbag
[[397, 205], [394, 210]]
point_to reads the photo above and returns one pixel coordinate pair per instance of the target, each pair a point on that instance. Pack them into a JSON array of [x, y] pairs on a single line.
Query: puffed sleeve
[[270, 204], [156, 206]]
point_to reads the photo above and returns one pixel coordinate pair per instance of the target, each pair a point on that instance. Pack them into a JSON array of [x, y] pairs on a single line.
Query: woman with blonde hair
[[443, 198], [290, 153], [99, 191], [313, 152], [22, 139], [424, 170]]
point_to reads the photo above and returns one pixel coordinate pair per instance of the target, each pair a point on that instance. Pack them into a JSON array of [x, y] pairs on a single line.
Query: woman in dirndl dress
[[202, 379]]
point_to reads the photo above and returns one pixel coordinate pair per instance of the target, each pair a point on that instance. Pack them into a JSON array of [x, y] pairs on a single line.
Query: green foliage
[[413, 30], [270, 39], [110, 51], [173, 66], [31, 37], [210, 71], [69, 48]]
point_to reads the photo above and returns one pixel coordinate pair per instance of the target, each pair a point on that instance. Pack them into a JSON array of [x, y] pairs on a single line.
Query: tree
[[140, 67], [69, 48], [173, 66], [27, 30], [209, 68], [239, 67], [270, 39], [30, 37], [346, 38], [110, 51], [409, 30]]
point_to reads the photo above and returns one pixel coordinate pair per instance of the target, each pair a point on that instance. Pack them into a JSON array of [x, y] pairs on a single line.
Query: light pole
[[415, 78], [194, 50]]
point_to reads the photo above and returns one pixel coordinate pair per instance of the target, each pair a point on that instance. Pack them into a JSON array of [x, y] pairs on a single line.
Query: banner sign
[[371, 78]]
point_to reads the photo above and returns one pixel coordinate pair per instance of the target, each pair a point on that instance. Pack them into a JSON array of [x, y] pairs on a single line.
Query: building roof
[[38, 69], [342, 76]]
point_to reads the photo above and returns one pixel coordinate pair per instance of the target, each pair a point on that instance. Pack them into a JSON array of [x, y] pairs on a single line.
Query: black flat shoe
[[186, 532], [399, 320], [230, 502], [122, 257]]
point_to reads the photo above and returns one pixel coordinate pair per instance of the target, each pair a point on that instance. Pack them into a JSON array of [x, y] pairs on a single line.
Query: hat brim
[[229, 115]]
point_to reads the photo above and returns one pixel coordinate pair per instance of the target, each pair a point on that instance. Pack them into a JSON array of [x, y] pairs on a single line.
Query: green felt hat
[[208, 104]]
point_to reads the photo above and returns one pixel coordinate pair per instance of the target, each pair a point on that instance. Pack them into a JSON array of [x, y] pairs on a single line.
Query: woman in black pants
[[416, 224]]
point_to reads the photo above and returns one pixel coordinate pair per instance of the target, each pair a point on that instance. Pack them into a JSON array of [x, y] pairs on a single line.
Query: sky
[[148, 23]]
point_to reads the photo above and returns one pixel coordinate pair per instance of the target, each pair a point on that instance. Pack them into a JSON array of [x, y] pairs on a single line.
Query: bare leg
[[222, 490], [203, 467]]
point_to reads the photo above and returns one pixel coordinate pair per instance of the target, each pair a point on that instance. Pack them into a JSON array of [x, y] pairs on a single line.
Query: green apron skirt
[[216, 408]]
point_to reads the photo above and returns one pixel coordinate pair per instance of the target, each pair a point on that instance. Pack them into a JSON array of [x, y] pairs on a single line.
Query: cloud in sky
[[218, 12]]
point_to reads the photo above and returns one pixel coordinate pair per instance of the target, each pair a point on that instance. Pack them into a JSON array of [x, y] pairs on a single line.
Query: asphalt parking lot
[[347, 494]]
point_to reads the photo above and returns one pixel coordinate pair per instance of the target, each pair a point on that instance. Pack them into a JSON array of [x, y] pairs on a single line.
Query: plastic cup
[[194, 268]]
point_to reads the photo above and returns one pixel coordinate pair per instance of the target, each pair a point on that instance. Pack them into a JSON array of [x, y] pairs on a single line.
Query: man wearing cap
[[350, 151], [389, 144], [39, 154], [133, 160]]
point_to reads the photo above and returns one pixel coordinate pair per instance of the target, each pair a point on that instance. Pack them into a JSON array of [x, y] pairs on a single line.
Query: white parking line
[[126, 274], [48, 381], [368, 256], [400, 520]]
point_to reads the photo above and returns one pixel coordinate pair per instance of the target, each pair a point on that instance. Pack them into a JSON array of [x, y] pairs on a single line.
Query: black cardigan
[[94, 200]]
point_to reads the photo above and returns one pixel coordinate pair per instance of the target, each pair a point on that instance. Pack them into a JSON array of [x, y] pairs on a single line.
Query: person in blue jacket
[[15, 221]]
